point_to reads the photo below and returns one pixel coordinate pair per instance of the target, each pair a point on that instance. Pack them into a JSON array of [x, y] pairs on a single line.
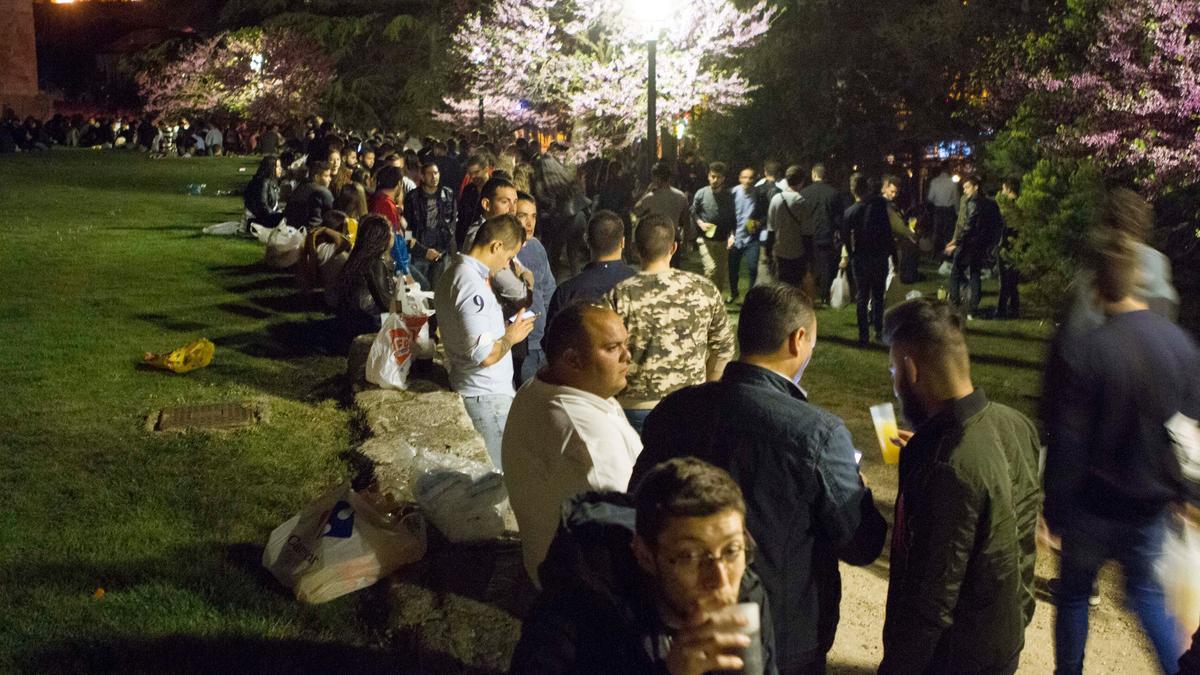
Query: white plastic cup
[[752, 656]]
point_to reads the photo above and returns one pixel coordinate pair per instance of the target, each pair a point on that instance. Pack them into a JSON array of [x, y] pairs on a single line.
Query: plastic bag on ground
[[339, 544], [284, 247], [891, 276], [839, 291], [463, 499], [262, 232], [1177, 568], [945, 269], [224, 229], [192, 356]]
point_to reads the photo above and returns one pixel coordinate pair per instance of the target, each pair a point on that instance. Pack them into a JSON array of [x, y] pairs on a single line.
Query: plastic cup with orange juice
[[886, 430]]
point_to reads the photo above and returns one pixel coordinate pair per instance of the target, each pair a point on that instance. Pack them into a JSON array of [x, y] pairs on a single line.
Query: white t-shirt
[[559, 442], [943, 192], [470, 321]]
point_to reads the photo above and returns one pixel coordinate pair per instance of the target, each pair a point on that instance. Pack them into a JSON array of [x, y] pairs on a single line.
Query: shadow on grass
[[222, 653], [287, 339], [170, 323], [1006, 361], [850, 342]]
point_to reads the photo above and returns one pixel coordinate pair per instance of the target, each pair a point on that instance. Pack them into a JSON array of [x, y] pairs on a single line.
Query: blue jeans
[[489, 414], [967, 273], [532, 363], [750, 254], [1086, 546], [637, 418]]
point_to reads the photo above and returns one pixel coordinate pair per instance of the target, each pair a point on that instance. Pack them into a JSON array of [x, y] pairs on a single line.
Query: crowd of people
[[666, 467]]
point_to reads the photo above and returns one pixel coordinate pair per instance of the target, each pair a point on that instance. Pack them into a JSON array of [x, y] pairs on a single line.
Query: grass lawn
[[102, 260]]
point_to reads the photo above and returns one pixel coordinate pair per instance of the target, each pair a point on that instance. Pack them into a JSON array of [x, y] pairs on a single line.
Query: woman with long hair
[[367, 285], [261, 197], [352, 201]]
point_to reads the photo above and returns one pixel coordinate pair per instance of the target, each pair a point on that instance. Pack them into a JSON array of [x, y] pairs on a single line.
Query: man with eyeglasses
[[652, 582], [795, 462]]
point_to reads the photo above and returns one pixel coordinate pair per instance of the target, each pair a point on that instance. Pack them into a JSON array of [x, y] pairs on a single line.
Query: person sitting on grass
[[261, 197], [326, 250], [367, 285]]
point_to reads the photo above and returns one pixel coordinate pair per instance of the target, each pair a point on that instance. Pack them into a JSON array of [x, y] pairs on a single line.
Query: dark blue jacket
[[596, 280], [806, 505], [426, 235], [597, 613]]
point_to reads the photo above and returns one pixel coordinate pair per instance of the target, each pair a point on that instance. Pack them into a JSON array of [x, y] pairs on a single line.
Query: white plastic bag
[[891, 276], [417, 306], [945, 269], [839, 291], [284, 247], [339, 544], [261, 232], [391, 355], [1177, 569], [463, 499], [224, 229]]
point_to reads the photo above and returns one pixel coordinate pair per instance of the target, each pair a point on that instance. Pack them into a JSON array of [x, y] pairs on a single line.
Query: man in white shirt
[[943, 197], [478, 338], [566, 433], [666, 201]]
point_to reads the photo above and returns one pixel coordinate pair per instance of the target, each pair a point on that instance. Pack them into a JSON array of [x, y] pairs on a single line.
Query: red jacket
[[383, 204]]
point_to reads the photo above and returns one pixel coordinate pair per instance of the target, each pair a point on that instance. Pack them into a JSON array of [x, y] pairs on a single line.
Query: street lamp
[[477, 58], [651, 17]]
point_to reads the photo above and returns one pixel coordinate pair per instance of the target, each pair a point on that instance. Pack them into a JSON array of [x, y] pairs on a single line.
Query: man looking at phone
[[963, 551], [566, 433], [808, 506], [652, 582], [477, 336]]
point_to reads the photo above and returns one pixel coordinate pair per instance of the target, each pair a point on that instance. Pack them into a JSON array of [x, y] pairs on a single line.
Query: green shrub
[[1060, 199]]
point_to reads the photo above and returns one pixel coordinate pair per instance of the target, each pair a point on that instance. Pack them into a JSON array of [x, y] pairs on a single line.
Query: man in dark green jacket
[[963, 551]]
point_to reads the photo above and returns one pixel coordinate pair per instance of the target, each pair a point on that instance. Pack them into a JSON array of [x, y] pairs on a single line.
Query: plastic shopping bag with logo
[[341, 543], [393, 351]]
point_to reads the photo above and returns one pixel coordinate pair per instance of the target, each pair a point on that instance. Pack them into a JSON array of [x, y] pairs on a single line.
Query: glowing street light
[[651, 17]]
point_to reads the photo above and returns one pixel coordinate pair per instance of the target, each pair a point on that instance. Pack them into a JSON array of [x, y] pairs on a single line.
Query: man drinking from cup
[[651, 582]]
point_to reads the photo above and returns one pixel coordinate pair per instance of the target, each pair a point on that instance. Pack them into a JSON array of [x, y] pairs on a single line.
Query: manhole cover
[[215, 416]]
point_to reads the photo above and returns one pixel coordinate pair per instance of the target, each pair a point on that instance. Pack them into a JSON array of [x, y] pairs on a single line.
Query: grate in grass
[[207, 417]]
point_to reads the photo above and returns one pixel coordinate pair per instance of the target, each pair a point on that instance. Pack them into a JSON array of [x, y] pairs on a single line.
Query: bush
[[1060, 200]]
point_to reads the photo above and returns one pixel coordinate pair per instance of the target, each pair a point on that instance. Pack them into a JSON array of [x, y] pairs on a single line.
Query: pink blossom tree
[[271, 75], [1132, 102], [581, 65]]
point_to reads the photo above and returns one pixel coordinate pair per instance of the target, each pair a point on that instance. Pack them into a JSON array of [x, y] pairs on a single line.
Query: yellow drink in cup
[[886, 429]]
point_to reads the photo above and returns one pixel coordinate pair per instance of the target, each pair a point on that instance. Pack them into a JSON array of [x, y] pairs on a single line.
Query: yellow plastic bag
[[187, 358]]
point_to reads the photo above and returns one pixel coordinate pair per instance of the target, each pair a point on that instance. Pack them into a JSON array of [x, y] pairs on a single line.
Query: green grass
[[102, 259]]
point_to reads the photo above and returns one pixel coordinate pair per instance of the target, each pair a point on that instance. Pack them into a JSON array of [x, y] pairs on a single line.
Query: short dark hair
[[718, 168], [493, 184], [525, 197], [771, 168], [794, 176], [604, 233], [973, 179], [931, 328], [428, 163], [477, 160], [567, 330], [662, 171], [653, 237], [818, 171], [859, 185], [891, 179], [770, 314], [388, 177], [684, 487], [317, 167], [505, 229], [1013, 183]]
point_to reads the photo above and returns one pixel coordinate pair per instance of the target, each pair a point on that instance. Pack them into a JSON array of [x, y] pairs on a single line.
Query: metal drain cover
[[209, 417]]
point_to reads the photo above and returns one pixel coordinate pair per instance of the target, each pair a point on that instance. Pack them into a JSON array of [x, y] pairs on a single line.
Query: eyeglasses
[[692, 561]]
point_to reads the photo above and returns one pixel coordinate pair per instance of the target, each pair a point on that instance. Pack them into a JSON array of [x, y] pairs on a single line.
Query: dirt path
[[1115, 642]]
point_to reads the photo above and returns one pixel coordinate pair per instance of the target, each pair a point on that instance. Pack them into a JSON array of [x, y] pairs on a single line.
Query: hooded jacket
[[596, 613]]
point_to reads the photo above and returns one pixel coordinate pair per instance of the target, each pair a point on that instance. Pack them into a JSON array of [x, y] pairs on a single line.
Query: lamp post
[[477, 58], [651, 17]]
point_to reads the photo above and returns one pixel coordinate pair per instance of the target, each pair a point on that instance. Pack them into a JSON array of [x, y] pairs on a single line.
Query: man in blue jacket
[[807, 506]]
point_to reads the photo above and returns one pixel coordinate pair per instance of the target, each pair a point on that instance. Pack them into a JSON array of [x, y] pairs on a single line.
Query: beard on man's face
[[910, 404]]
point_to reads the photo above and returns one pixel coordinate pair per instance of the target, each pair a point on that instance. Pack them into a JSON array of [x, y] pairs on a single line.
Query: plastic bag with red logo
[[393, 351]]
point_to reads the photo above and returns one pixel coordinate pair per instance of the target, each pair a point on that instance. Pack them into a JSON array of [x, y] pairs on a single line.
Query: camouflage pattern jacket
[[677, 324]]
